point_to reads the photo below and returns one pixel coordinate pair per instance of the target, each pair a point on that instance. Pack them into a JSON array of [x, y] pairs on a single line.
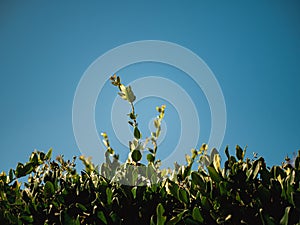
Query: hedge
[[242, 191]]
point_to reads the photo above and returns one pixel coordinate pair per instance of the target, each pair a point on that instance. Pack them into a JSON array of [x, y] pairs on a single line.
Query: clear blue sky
[[253, 48]]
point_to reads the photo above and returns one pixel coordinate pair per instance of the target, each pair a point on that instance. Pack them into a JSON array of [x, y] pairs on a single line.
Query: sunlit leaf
[[217, 162], [127, 94]]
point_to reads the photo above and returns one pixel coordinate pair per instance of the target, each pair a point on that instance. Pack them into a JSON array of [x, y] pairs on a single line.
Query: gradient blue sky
[[253, 48]]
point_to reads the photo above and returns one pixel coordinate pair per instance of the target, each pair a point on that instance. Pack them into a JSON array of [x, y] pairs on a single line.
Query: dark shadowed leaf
[[239, 152], [136, 155], [101, 216], [48, 189], [227, 152], [137, 133], [150, 158]]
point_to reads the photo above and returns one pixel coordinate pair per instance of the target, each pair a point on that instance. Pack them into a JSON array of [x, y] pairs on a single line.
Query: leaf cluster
[[243, 191]]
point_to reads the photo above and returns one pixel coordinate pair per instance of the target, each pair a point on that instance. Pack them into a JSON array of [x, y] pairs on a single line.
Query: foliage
[[243, 191]]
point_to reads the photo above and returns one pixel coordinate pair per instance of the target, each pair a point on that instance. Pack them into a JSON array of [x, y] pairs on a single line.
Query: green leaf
[[217, 162], [150, 170], [41, 157], [28, 168], [152, 220], [133, 191], [197, 215], [132, 116], [196, 179], [161, 219], [137, 133], [156, 123], [22, 170], [173, 188], [28, 219], [285, 219], [265, 176], [115, 218], [101, 216], [204, 147], [48, 189], [175, 219], [264, 194], [253, 172], [77, 221], [183, 196], [49, 154], [109, 194], [227, 152], [19, 169], [80, 206], [223, 188], [150, 158], [215, 176], [206, 203], [136, 155], [276, 171], [127, 93], [186, 171], [34, 158], [11, 175], [239, 153], [213, 152]]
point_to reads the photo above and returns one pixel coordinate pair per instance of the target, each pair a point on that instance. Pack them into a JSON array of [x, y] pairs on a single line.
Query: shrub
[[243, 191]]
